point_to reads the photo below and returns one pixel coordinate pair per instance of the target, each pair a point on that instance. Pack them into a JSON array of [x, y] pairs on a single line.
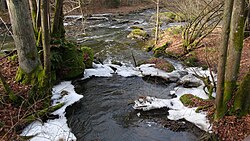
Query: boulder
[[138, 34], [190, 81]]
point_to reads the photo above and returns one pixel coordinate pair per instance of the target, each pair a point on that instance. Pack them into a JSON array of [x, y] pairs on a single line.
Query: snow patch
[[55, 129]]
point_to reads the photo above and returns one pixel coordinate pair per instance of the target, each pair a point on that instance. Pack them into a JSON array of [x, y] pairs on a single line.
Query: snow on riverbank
[[58, 129]]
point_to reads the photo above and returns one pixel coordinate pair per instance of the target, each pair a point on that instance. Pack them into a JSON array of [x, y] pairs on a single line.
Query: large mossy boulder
[[138, 34], [67, 60], [73, 63], [88, 56]]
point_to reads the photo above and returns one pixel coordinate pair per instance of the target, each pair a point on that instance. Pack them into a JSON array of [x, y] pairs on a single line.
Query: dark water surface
[[105, 112]]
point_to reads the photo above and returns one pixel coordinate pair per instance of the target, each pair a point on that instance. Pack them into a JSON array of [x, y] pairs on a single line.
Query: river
[[105, 112]]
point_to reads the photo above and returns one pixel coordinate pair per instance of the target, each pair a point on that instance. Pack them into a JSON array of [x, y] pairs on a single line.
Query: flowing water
[[105, 112]]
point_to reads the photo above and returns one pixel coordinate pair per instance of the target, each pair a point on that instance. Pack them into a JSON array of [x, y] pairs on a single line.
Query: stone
[[190, 81]]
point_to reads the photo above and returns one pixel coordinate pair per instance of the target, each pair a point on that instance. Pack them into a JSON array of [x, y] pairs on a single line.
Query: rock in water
[[190, 81]]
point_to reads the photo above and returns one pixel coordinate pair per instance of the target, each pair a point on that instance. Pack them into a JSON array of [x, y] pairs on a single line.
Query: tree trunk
[[23, 35], [157, 22], [242, 98], [58, 27], [228, 7], [33, 9], [234, 50], [46, 39]]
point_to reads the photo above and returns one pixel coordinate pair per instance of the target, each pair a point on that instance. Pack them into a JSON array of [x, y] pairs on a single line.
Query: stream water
[[105, 112]]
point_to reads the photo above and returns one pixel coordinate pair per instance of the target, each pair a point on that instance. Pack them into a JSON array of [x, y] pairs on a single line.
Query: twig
[[6, 26]]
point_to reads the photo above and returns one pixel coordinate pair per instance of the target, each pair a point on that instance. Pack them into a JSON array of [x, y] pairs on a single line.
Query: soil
[[11, 115]]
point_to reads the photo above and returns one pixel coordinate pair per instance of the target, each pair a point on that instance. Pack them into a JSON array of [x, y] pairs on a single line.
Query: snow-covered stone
[[190, 81]]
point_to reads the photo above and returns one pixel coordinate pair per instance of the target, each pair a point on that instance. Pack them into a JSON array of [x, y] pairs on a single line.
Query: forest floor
[[230, 128]]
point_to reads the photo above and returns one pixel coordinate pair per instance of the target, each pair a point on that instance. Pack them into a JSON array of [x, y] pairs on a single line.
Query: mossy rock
[[191, 60], [188, 100], [170, 17], [88, 56], [136, 27], [138, 34], [160, 51], [68, 60], [73, 64], [149, 45], [162, 64]]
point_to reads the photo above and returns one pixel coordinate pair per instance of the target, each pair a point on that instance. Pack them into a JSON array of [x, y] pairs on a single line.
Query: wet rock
[[154, 113], [160, 80], [98, 18], [136, 27], [190, 81], [183, 73], [138, 34], [148, 103], [163, 65], [116, 63]]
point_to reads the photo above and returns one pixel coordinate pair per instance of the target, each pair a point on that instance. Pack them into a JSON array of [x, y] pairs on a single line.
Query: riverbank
[[230, 128]]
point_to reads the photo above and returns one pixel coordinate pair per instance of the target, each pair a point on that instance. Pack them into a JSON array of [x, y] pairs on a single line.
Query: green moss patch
[[88, 56], [189, 100], [138, 34], [170, 17], [191, 60], [161, 64], [175, 30], [69, 61]]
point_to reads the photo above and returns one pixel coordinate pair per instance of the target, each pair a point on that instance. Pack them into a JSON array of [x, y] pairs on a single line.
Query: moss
[[34, 78], [187, 99], [175, 30], [88, 56], [242, 98], [171, 17], [68, 61], [162, 64], [43, 112], [149, 45], [73, 64], [13, 57], [191, 60], [138, 34], [159, 51], [136, 27]]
